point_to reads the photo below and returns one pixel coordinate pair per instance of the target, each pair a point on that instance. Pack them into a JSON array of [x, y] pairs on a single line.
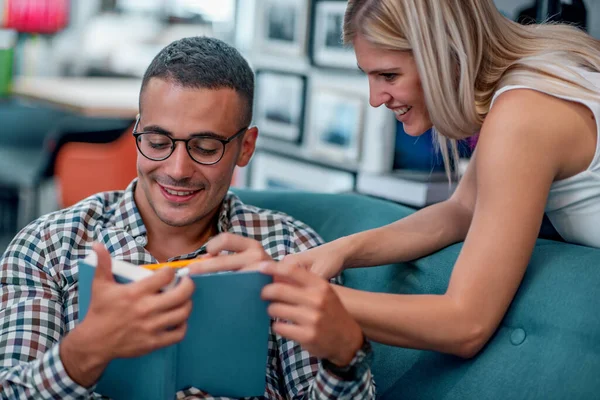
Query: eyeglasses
[[205, 150]]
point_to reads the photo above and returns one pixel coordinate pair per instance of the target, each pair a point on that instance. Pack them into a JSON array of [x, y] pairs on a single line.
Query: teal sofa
[[547, 346]]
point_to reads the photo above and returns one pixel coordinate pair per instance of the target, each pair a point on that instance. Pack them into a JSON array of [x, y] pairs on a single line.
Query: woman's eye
[[389, 76]]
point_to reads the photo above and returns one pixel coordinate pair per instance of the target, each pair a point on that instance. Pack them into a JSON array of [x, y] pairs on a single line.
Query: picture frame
[[374, 146], [336, 124], [274, 172], [328, 49], [280, 104], [282, 27]]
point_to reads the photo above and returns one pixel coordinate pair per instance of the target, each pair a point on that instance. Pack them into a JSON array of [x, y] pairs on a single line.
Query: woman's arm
[[424, 232], [520, 152], [412, 237]]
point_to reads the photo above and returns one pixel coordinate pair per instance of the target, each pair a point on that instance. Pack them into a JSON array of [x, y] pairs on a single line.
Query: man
[[192, 131]]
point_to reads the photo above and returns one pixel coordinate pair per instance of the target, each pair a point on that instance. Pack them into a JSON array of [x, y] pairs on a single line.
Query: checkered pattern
[[38, 296]]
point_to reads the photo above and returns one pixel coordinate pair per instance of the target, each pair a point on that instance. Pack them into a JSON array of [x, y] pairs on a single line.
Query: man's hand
[[246, 251], [310, 313], [125, 320]]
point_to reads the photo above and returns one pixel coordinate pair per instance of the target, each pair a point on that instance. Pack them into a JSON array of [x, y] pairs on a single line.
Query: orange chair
[[83, 169]]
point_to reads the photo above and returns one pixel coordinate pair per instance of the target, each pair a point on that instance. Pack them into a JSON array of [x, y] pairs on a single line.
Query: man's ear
[[248, 146]]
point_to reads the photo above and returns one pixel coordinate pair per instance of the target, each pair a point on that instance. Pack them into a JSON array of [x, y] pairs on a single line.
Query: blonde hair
[[465, 50]]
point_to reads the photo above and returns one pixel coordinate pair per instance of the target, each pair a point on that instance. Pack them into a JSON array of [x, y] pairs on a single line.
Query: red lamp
[[36, 16]]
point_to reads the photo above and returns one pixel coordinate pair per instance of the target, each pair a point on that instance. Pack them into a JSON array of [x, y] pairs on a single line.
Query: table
[[94, 97]]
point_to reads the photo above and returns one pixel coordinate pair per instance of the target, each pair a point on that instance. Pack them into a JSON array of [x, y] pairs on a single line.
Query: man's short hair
[[207, 63]]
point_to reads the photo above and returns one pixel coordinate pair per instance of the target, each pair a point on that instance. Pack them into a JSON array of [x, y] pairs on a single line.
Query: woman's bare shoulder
[[543, 123]]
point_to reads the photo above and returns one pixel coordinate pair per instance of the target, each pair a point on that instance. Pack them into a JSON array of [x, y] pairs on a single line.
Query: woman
[[533, 93]]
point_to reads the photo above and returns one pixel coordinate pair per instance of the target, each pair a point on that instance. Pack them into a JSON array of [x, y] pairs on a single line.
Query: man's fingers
[[230, 242], [285, 293], [220, 263], [175, 296], [104, 264], [172, 318], [155, 282], [255, 266], [171, 336], [297, 333], [291, 313]]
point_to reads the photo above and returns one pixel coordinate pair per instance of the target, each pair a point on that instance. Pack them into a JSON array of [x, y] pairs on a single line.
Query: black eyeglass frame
[[137, 134]]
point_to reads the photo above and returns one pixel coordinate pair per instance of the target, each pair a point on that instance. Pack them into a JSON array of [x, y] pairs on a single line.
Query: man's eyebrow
[[163, 131], [157, 129], [209, 134]]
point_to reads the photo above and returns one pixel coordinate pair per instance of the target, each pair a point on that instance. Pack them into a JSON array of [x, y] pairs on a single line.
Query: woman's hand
[[325, 261], [243, 252]]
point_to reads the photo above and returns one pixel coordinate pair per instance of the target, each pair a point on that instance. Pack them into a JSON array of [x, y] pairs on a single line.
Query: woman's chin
[[415, 131]]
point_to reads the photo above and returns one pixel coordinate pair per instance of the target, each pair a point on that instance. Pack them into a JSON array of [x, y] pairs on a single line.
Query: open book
[[224, 351]]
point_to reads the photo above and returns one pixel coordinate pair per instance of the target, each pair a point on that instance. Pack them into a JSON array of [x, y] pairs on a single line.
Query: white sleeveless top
[[573, 204]]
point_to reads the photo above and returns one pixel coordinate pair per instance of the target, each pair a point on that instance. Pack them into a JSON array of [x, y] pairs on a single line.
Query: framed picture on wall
[[279, 111], [328, 49], [336, 124], [282, 26], [270, 171]]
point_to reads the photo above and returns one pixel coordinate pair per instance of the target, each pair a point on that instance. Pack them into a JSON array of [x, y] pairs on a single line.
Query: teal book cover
[[223, 353]]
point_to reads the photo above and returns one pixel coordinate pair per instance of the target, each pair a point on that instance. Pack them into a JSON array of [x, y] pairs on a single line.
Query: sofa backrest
[[547, 346]]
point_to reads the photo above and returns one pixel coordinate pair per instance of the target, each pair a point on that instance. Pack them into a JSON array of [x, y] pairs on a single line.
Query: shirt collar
[[126, 214]]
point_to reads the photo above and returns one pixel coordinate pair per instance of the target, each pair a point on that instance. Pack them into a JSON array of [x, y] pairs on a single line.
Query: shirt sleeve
[[305, 378], [34, 314], [326, 387]]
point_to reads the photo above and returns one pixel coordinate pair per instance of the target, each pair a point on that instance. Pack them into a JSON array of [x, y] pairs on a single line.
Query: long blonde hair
[[465, 50]]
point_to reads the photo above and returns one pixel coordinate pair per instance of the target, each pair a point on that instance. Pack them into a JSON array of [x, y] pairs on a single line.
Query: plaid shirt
[[38, 294]]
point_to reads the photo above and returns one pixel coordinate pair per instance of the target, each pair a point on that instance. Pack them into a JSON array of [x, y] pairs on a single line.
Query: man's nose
[[180, 165]]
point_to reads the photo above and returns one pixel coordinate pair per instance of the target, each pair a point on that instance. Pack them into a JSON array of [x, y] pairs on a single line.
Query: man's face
[[179, 191]]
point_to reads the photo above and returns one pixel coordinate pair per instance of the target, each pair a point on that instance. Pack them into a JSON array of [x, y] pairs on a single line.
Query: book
[[224, 351]]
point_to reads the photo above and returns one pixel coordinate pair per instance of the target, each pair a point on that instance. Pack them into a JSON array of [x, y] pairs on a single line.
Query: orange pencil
[[172, 264]]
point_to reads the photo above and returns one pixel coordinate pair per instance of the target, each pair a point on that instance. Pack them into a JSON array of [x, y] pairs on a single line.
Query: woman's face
[[395, 82]]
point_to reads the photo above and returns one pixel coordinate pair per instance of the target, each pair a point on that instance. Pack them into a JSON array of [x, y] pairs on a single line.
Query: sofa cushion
[[547, 346]]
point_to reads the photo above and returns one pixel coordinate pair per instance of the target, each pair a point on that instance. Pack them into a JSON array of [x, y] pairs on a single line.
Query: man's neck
[[166, 242]]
